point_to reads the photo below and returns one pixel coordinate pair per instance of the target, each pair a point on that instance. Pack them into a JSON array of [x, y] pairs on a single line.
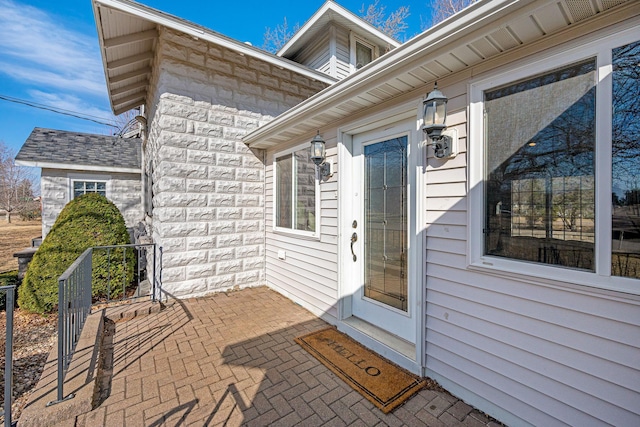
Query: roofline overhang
[[76, 166], [446, 33], [199, 32], [335, 7]]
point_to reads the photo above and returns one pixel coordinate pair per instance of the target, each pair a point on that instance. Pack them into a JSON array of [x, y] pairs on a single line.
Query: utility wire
[[58, 110]]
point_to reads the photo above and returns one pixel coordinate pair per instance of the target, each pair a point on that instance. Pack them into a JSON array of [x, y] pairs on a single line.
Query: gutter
[[464, 23]]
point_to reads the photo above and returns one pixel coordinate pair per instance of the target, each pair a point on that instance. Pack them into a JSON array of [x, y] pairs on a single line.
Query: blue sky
[[49, 52]]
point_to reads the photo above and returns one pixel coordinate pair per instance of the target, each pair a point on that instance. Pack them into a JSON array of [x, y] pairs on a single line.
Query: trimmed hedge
[[86, 221]]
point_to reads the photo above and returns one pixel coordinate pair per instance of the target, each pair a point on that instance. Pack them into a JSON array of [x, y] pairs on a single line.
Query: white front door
[[382, 290]]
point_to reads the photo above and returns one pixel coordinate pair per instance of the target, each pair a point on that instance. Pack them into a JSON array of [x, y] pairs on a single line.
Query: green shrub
[[88, 220], [7, 279]]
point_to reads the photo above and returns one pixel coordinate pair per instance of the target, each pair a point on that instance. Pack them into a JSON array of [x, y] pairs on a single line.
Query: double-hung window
[[554, 178], [296, 192]]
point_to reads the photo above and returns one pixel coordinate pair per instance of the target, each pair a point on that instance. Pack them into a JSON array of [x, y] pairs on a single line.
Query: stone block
[[172, 154], [169, 214], [222, 227], [229, 213], [184, 140], [243, 174], [184, 229], [180, 259], [170, 184], [173, 274], [200, 186], [252, 239], [230, 160], [222, 200], [173, 124], [220, 118], [253, 264], [267, 80], [249, 251], [199, 243], [289, 87], [253, 214], [192, 287], [224, 254], [200, 271], [218, 283], [222, 146], [174, 244], [232, 240], [200, 214], [181, 200], [220, 173], [227, 267], [252, 188], [202, 157], [245, 73], [249, 200], [248, 226], [187, 111], [253, 278], [207, 129], [228, 187], [182, 170]]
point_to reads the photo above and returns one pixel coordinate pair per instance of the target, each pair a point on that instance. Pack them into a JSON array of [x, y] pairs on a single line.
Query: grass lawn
[[14, 237]]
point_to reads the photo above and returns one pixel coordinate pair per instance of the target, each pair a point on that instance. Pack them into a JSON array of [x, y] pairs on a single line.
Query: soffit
[[128, 34], [481, 32]]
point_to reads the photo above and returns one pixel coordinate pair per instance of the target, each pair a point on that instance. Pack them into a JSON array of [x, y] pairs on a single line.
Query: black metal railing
[[10, 298], [118, 273]]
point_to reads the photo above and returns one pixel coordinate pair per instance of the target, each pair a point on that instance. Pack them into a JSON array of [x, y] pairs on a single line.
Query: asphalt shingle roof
[[80, 149]]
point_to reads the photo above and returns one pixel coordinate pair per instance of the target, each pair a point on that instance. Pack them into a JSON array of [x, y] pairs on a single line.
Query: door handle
[[354, 238]]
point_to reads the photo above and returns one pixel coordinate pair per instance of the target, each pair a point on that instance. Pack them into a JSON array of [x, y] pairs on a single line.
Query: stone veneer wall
[[208, 186], [123, 189]]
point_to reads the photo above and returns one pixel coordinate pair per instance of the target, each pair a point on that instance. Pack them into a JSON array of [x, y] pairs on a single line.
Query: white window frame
[[595, 46], [353, 38], [73, 178], [301, 233]]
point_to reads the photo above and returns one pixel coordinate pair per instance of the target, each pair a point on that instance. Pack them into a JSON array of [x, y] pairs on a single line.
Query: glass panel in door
[[385, 222]]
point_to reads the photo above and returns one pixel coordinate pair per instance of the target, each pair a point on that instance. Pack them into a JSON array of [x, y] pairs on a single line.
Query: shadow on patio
[[230, 359]]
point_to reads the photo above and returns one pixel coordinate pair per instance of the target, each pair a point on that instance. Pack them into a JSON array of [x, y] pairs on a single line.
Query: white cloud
[[37, 49], [71, 103]]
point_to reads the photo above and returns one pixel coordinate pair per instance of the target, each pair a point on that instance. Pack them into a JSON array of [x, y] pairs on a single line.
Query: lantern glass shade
[[435, 112], [317, 150]]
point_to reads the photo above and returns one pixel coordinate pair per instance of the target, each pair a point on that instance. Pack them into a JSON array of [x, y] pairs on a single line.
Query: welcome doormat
[[384, 384]]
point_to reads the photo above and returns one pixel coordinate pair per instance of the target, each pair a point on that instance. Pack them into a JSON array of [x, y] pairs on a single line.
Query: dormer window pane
[[364, 55]]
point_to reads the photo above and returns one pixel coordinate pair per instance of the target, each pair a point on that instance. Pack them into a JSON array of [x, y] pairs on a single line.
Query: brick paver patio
[[230, 359]]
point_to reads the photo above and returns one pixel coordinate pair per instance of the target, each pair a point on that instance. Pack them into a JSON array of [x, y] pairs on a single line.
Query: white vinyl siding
[[343, 69], [542, 351], [308, 273], [317, 55]]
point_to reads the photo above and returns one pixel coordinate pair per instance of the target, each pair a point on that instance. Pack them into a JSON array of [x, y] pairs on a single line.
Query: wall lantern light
[[434, 122], [318, 156]]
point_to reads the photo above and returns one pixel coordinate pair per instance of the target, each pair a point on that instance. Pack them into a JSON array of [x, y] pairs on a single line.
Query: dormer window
[[362, 52]]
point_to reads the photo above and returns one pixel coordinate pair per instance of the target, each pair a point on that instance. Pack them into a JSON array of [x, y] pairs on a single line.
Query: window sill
[[580, 281], [304, 235]]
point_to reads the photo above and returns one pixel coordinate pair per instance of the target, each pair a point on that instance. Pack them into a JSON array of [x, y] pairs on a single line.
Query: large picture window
[[554, 178], [540, 143], [295, 191]]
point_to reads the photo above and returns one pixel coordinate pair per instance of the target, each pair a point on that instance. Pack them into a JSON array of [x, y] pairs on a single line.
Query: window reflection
[[625, 257], [540, 139]]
